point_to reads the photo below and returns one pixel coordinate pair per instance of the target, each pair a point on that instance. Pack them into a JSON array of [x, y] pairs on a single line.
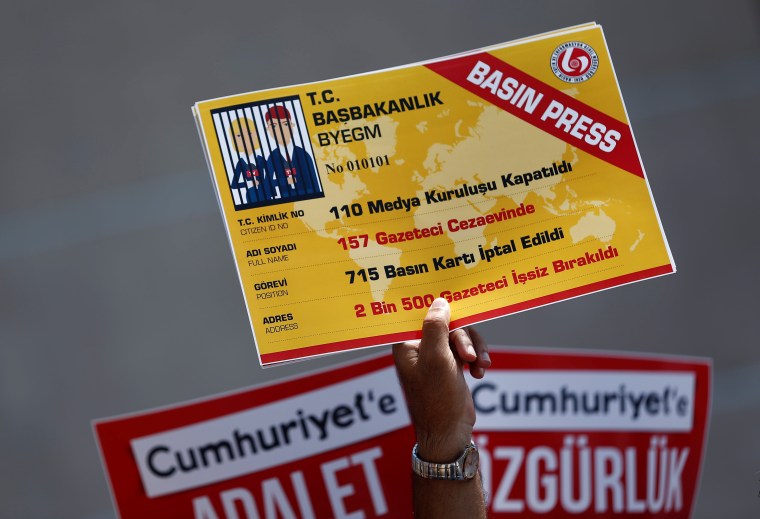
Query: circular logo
[[574, 62]]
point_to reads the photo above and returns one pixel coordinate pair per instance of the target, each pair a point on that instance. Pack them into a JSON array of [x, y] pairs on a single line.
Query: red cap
[[277, 112]]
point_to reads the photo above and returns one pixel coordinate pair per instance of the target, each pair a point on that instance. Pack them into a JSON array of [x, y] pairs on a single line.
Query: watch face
[[471, 464]]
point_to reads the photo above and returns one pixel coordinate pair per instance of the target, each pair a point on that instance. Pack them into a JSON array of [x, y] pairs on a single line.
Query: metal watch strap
[[446, 471]]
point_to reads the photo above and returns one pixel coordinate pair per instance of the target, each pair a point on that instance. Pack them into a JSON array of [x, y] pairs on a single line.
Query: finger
[[481, 349], [435, 328], [462, 343], [476, 371], [482, 360]]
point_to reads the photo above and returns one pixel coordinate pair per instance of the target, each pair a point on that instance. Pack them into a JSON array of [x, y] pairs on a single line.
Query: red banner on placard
[[311, 447], [544, 107], [590, 435], [559, 433]]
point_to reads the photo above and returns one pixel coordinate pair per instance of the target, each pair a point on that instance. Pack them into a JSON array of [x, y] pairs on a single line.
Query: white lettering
[[608, 471], [501, 501], [568, 475], [302, 495], [492, 83], [674, 500], [202, 508], [229, 497], [546, 482], [478, 73], [337, 492], [553, 110], [275, 499], [655, 484], [581, 479], [367, 460]]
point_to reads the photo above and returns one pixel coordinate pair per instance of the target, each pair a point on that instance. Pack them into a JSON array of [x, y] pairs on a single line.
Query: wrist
[[443, 447]]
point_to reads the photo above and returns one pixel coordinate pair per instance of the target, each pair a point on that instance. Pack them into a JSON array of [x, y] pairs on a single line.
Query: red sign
[[560, 433], [574, 434]]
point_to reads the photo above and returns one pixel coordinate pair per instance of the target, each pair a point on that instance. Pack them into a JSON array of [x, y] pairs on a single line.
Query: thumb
[[435, 328]]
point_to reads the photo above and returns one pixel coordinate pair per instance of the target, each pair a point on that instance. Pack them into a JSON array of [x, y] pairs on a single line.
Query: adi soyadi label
[[502, 179]]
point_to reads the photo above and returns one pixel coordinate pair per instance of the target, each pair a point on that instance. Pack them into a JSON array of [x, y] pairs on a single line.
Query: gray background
[[117, 286]]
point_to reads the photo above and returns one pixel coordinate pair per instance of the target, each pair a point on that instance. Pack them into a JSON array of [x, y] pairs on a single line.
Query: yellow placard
[[501, 179]]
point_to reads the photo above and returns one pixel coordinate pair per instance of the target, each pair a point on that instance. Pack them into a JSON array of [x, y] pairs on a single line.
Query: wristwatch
[[465, 467]]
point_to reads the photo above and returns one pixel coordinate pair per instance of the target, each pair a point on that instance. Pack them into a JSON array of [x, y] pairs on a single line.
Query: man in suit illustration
[[291, 167], [249, 179]]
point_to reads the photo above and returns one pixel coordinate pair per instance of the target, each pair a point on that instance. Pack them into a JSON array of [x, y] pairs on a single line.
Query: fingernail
[[439, 303], [471, 352], [485, 356]]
